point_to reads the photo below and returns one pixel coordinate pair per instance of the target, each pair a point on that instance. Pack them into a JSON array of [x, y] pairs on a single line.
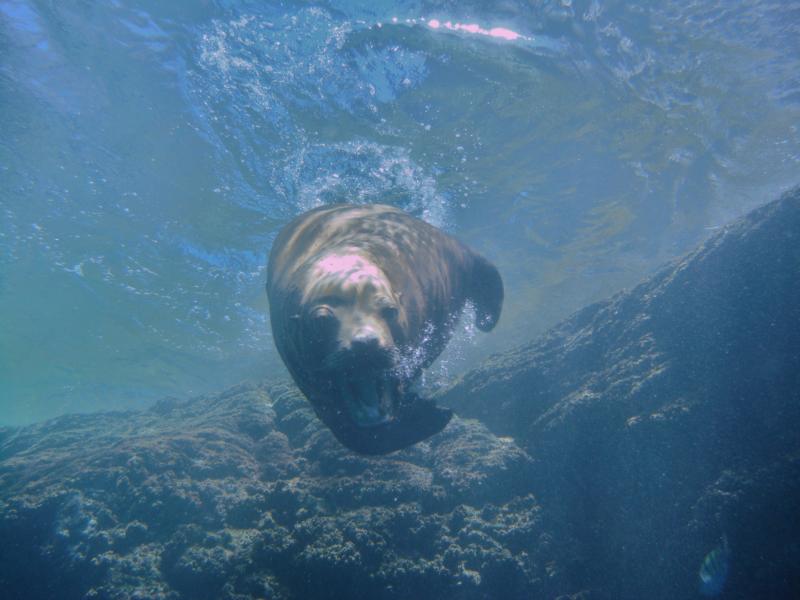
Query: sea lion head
[[352, 333]]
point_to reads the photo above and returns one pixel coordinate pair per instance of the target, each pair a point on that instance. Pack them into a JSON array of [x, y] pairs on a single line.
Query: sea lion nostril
[[366, 341]]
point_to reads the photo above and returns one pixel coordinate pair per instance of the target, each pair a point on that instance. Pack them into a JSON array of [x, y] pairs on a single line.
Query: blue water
[[150, 151]]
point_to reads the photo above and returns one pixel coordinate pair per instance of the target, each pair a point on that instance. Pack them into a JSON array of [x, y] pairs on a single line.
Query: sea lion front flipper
[[486, 292]]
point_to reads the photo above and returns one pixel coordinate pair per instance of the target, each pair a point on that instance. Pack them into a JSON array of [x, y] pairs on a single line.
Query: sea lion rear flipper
[[486, 291]]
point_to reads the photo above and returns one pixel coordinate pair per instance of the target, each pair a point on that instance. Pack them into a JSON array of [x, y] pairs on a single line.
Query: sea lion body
[[362, 298]]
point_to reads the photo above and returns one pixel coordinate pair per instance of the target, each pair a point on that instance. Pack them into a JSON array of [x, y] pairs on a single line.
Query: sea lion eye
[[321, 314], [323, 320], [390, 312], [387, 308]]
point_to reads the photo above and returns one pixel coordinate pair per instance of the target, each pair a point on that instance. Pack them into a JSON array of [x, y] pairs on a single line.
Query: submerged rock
[[669, 415], [247, 495], [604, 460]]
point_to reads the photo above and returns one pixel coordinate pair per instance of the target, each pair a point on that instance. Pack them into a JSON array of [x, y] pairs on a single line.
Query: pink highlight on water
[[504, 33], [474, 28]]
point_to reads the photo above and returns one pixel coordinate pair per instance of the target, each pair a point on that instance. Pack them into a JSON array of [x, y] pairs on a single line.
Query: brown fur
[[376, 283]]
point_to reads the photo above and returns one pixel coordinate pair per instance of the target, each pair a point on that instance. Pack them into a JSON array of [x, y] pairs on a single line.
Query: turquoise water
[[150, 152]]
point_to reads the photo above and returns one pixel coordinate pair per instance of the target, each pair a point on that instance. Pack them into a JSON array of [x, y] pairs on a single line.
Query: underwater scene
[[412, 299]]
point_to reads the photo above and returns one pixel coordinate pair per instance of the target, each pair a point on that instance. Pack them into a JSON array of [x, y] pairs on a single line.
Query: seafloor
[[603, 460]]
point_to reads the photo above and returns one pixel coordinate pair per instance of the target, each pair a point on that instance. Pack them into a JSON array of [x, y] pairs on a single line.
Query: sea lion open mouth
[[366, 384], [371, 429], [371, 399], [376, 414]]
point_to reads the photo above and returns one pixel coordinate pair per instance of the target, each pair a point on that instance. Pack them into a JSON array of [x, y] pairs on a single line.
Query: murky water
[[150, 151]]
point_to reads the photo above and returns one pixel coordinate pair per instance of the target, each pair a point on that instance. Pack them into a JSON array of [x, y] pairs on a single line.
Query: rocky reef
[[604, 460], [247, 495], [669, 416]]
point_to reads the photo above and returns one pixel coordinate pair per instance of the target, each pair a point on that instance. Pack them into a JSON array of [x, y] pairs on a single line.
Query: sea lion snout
[[365, 339], [367, 343], [360, 358], [359, 330]]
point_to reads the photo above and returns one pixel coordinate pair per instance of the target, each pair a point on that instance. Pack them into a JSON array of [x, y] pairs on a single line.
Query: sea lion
[[362, 298]]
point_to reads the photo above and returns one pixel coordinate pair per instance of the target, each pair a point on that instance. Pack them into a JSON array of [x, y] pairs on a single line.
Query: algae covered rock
[[668, 416], [246, 495]]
